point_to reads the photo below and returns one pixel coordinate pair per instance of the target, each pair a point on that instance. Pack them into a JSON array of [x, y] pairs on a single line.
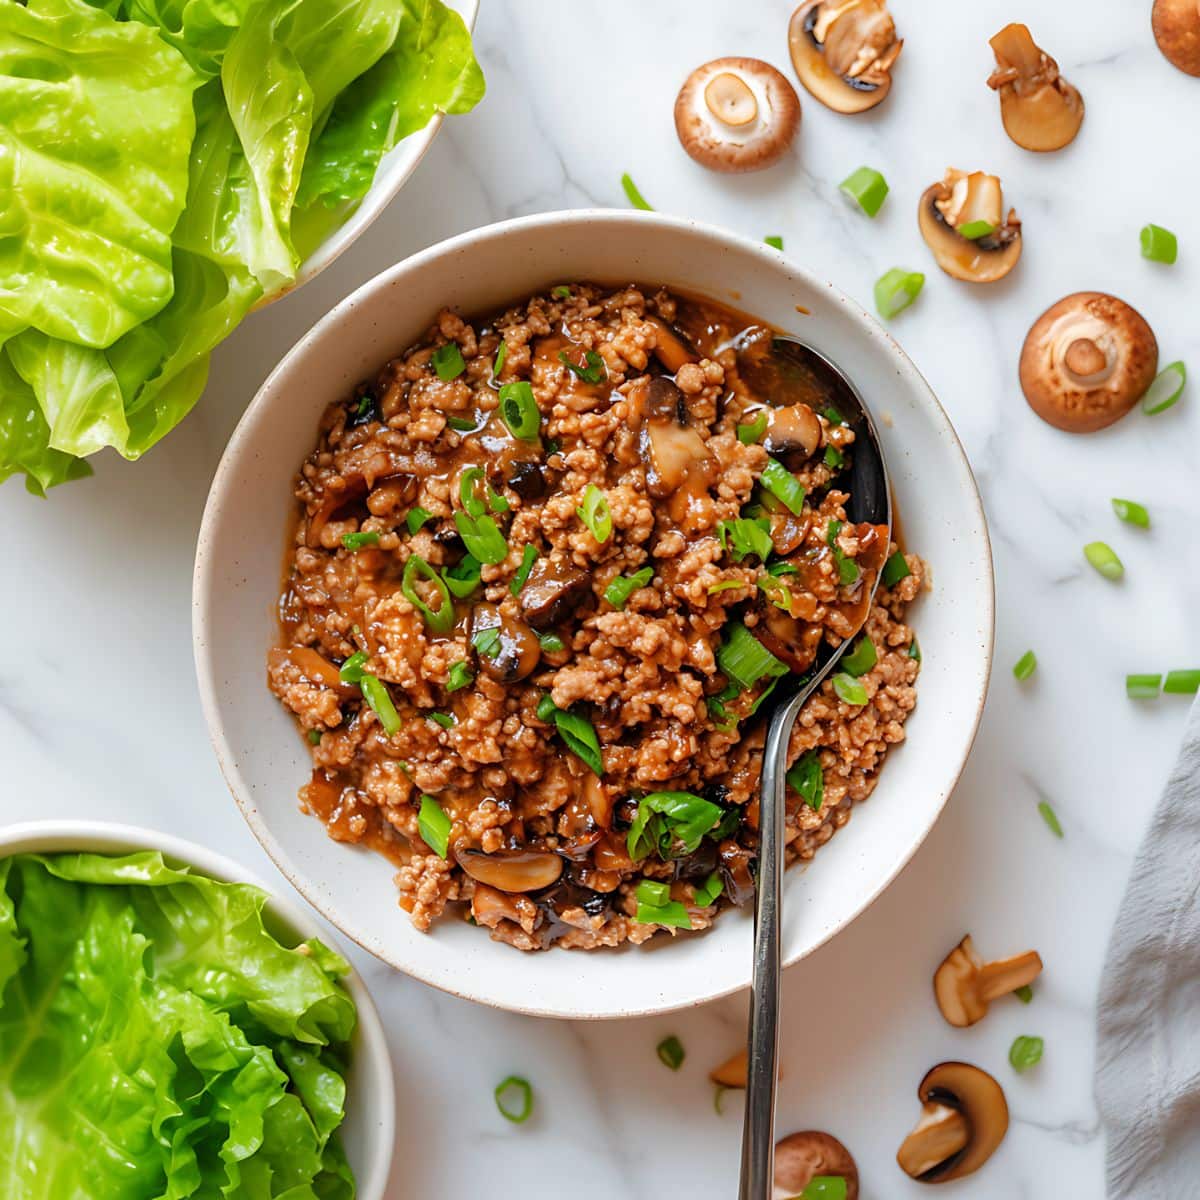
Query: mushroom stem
[[940, 1134], [1085, 360], [1002, 978], [964, 985]]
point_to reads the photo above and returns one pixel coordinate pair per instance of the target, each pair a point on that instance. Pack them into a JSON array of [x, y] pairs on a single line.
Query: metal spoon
[[792, 373]]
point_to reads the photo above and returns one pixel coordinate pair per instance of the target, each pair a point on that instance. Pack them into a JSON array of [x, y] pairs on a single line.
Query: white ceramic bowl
[[238, 575], [369, 1131]]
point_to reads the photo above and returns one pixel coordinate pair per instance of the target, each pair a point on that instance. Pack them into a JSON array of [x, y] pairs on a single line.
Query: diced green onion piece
[[434, 826], [895, 290], [718, 1095], [459, 676], [633, 195], [546, 709], [807, 779], [780, 482], [550, 642], [416, 518], [670, 1052], [834, 458], [593, 372], [375, 693], [482, 538], [1025, 1052], [580, 738], [673, 913], [461, 424], [778, 593], [594, 513], [501, 358], [1143, 687], [463, 578], [448, 362], [653, 891], [746, 535], [825, 1187], [1132, 513], [783, 568], [519, 410], [439, 619], [974, 230], [867, 188], [744, 660], [848, 570], [914, 649], [1165, 390], [773, 239], [1104, 558], [1025, 665], [849, 689], [473, 481], [710, 890], [1159, 244], [528, 557], [861, 659], [623, 586], [1182, 683], [562, 292], [1050, 817], [507, 1092], [487, 641], [356, 541], [726, 585], [671, 824], [445, 720], [832, 415], [750, 433], [314, 737], [1024, 993], [352, 668], [895, 569]]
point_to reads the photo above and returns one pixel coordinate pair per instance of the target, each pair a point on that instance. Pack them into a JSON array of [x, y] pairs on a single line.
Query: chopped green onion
[[314, 737], [671, 824], [552, 446], [1025, 665], [416, 518], [653, 891], [1024, 994], [461, 424], [1025, 1052], [744, 660], [710, 890], [463, 578], [778, 593], [594, 372], [895, 569], [672, 913], [726, 585], [562, 292], [623, 586], [356, 541], [718, 1095], [448, 362], [595, 514], [550, 642], [352, 668], [834, 458], [914, 649], [1050, 817], [546, 709], [832, 415], [470, 483], [445, 720], [1143, 687], [434, 826], [580, 738], [781, 483], [519, 410], [849, 689], [670, 1052], [783, 568], [895, 290], [1104, 558], [750, 433], [501, 358], [633, 195], [375, 693], [807, 779], [825, 1187], [861, 659], [1132, 513], [440, 619], [1159, 244], [528, 557], [867, 188], [1165, 390], [746, 535], [508, 1089], [974, 230], [459, 676], [482, 538], [487, 641], [1182, 683], [848, 571], [773, 239], [761, 697]]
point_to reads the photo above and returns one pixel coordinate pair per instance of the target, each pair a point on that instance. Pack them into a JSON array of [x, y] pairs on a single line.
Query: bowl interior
[[238, 574]]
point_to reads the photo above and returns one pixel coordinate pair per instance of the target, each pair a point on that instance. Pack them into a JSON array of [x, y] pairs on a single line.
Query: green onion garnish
[[783, 568], [528, 557], [508, 1091], [474, 480], [445, 720], [623, 586], [1104, 558], [974, 230], [773, 239], [895, 290], [580, 738], [314, 737], [781, 483], [750, 433], [834, 458], [653, 891], [352, 668], [463, 578], [550, 642], [448, 362], [825, 1187], [595, 514], [1143, 687], [594, 372], [744, 660], [633, 195], [356, 541], [1024, 994], [671, 824], [487, 641], [807, 780], [914, 649], [461, 424], [562, 292], [848, 570], [710, 890], [895, 569], [867, 188], [1182, 683], [459, 676], [1050, 817], [546, 708], [849, 689], [416, 518], [519, 410], [434, 826], [832, 415], [726, 585], [718, 1095], [1132, 513], [482, 538], [1159, 244], [1025, 665], [673, 914], [747, 535], [501, 358], [777, 592], [439, 619], [861, 659], [1165, 390], [375, 693], [1025, 1052], [670, 1052]]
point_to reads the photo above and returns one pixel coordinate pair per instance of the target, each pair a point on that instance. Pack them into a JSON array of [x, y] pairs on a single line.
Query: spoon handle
[[758, 1132]]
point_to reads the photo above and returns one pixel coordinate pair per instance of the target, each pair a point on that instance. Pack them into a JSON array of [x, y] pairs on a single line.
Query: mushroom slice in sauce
[[1040, 110], [513, 653], [802, 1157], [736, 114], [512, 871], [964, 985], [314, 667], [843, 51], [671, 348], [792, 429], [960, 202], [1176, 25], [552, 591], [1087, 361]]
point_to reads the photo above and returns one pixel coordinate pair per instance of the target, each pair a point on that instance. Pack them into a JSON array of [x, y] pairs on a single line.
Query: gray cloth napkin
[[1148, 1023]]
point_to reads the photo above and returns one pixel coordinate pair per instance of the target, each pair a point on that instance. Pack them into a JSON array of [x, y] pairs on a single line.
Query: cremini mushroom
[[962, 221], [1176, 25], [512, 871], [732, 1072], [802, 1157], [843, 51], [965, 985], [736, 114], [1039, 108], [507, 648], [1086, 361], [964, 1119]]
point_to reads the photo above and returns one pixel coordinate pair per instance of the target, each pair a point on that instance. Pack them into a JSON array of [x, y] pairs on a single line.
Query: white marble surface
[[99, 714]]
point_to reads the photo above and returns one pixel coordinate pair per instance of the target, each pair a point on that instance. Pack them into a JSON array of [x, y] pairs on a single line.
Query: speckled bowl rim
[[242, 442]]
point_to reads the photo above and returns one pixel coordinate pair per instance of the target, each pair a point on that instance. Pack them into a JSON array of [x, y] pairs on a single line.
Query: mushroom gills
[[843, 52], [1041, 111]]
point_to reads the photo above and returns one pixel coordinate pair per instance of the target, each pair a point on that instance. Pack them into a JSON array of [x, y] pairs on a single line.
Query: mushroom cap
[[512, 871], [862, 44], [757, 113], [1176, 25], [800, 1157], [980, 1099], [1041, 111], [1086, 362], [980, 260]]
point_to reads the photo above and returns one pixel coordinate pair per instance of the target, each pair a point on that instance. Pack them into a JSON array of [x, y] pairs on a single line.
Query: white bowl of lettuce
[[166, 167], [168, 1028]]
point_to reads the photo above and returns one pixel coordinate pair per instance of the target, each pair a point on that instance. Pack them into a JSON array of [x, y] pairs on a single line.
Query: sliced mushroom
[[512, 871], [736, 114], [552, 591], [670, 346], [1087, 360], [961, 204], [732, 1073], [843, 51], [965, 985], [527, 479], [735, 871], [802, 1157], [936, 1150], [1176, 25], [673, 454], [1040, 110], [314, 668], [793, 428], [792, 641], [510, 656]]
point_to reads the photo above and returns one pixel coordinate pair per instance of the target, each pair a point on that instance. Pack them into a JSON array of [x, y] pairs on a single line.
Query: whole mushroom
[[1086, 362], [964, 985], [1176, 25], [962, 221], [1040, 109], [843, 51], [802, 1157], [736, 114]]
